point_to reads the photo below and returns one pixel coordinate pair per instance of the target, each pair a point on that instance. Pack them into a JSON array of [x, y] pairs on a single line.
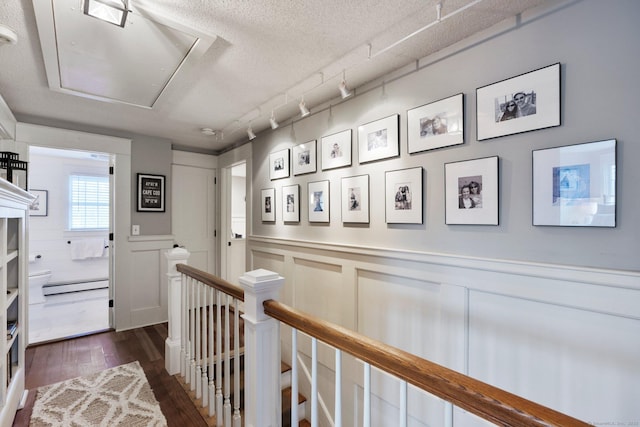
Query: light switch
[[135, 230]]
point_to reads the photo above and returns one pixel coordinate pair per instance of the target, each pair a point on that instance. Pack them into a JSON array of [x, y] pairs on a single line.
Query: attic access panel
[[133, 65]]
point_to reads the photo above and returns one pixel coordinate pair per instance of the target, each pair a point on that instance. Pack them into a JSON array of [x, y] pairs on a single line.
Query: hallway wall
[[549, 313]]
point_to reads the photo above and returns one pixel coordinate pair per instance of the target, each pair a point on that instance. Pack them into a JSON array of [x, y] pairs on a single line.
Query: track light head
[[274, 123], [304, 111], [344, 90], [250, 133]]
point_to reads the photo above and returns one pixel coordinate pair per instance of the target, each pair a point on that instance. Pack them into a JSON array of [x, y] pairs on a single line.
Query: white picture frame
[[279, 164], [319, 201], [304, 158], [462, 206], [436, 125], [336, 150], [537, 95], [403, 196], [379, 139], [291, 203], [355, 199], [575, 185], [268, 198]]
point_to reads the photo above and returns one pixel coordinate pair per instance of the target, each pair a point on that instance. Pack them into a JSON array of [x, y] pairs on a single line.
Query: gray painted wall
[[596, 46], [151, 156]]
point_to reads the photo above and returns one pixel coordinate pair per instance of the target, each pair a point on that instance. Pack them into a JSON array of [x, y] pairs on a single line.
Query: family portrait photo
[[318, 201], [469, 196], [403, 196], [436, 125], [514, 106]]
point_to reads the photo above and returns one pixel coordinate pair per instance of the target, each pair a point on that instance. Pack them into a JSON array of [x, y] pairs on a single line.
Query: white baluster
[[205, 313], [192, 335], [314, 382], [402, 406], [197, 325], [227, 364], [338, 410], [219, 411], [294, 376], [366, 409], [184, 338], [236, 364], [448, 414], [212, 359]]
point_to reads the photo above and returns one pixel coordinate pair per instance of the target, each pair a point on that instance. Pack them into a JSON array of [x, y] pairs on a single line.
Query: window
[[88, 202]]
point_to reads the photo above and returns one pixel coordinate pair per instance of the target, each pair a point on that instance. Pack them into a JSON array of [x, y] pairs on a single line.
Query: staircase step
[[286, 407]]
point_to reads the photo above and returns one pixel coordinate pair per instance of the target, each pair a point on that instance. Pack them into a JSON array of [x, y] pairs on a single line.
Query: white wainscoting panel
[[564, 336], [149, 286]]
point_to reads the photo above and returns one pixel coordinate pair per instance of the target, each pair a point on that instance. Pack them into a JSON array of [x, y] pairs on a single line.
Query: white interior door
[[193, 214]]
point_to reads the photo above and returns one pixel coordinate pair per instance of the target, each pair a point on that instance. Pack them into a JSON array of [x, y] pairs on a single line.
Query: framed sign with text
[[150, 193]]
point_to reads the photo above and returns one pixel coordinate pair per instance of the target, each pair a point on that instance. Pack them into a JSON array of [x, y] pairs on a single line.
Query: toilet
[[37, 279]]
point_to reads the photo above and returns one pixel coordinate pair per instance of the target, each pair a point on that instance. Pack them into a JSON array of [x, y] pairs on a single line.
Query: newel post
[[172, 344], [263, 405]]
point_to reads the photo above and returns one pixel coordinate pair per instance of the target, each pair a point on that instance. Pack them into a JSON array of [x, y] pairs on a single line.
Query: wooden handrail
[[486, 401], [211, 280]]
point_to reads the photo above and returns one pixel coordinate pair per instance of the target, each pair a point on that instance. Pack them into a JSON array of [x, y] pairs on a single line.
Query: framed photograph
[[279, 164], [355, 199], [336, 150], [40, 206], [436, 125], [150, 193], [319, 201], [575, 185], [471, 192], [379, 140], [304, 158], [403, 196], [291, 203], [523, 103], [268, 196]]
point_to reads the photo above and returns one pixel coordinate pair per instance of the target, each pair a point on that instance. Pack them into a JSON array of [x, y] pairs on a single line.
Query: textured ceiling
[[266, 55]]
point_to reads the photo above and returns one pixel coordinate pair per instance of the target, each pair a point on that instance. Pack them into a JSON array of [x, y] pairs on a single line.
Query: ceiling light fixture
[[250, 133], [344, 90], [112, 11], [304, 111], [272, 120], [208, 131]]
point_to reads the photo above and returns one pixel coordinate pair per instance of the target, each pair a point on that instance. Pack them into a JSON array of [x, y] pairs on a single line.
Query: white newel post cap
[[259, 286], [176, 256]]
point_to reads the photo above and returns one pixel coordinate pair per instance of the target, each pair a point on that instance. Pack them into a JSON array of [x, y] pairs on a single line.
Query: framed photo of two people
[[523, 103]]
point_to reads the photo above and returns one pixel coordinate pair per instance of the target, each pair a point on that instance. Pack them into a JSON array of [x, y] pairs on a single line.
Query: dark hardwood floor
[[63, 360]]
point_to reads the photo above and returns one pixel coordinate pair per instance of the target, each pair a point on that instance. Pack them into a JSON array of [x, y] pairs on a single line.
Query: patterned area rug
[[119, 396]]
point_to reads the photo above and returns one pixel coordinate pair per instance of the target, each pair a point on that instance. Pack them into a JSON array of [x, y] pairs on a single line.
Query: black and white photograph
[[318, 201], [279, 164], [527, 102], [379, 139], [304, 158], [336, 150], [40, 205], [515, 105], [151, 193], [403, 195], [355, 199], [436, 125], [575, 185], [291, 203], [471, 192], [268, 196]]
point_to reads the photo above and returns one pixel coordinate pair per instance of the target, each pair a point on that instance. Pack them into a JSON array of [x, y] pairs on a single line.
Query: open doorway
[[69, 247], [235, 221]]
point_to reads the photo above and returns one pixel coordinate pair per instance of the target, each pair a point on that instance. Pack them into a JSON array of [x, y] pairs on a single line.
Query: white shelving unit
[[14, 217]]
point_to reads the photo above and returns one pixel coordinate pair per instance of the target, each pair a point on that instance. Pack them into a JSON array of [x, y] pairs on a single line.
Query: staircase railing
[[200, 295]]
